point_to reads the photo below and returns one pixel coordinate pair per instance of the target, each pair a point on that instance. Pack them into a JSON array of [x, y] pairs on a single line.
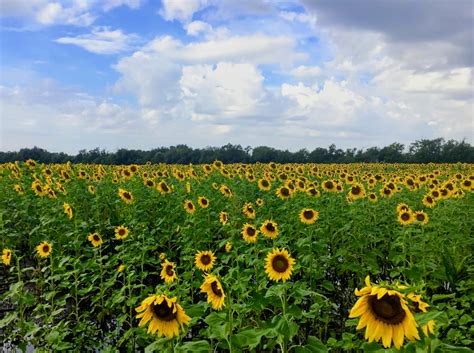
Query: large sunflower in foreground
[[165, 315], [215, 293], [385, 314], [204, 260], [44, 249], [168, 273], [279, 265]]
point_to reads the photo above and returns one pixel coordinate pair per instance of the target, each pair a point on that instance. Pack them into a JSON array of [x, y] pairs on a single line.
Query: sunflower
[[418, 307], [385, 314], [149, 182], [228, 247], [312, 191], [429, 201], [91, 189], [269, 229], [223, 218], [95, 239], [386, 192], [259, 202], [308, 216], [162, 256], [163, 188], [189, 206], [168, 273], [357, 191], [67, 210], [372, 197], [249, 233], [203, 202], [121, 268], [402, 207], [283, 192], [467, 184], [121, 232], [44, 249], [166, 316], [248, 210], [6, 256], [215, 293], [38, 188], [421, 217], [405, 217], [264, 184], [224, 189], [279, 265], [329, 185], [126, 196], [204, 260], [19, 189]]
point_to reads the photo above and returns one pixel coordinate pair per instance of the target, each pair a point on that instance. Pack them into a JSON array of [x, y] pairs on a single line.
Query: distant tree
[[392, 153]]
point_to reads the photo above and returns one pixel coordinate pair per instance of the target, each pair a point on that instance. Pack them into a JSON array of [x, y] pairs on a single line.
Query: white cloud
[[181, 10], [303, 71], [226, 90], [197, 27], [102, 40], [111, 4]]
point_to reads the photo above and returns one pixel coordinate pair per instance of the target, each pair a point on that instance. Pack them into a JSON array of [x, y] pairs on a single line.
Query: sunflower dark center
[[329, 184], [467, 183], [250, 231], [39, 188], [386, 191], [420, 217], [280, 263], [45, 248], [149, 183], [410, 182], [270, 227], [190, 206], [205, 259], [356, 190], [308, 214], [264, 183], [435, 193], [405, 216], [387, 309], [169, 270], [121, 231], [285, 192], [164, 187], [372, 196], [163, 311], [96, 237], [215, 289], [127, 195], [204, 201]]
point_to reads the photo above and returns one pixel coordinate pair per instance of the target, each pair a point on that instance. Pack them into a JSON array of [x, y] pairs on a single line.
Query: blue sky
[[288, 74]]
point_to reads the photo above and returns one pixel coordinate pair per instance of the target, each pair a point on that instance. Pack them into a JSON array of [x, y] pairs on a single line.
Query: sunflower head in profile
[[309, 216], [228, 247], [91, 189], [203, 202], [269, 229], [421, 217], [215, 293], [126, 196], [248, 210], [67, 210], [223, 218], [95, 239], [168, 272], [44, 249], [385, 314], [249, 233], [121, 232], [264, 184], [402, 207], [189, 206], [279, 265], [405, 217], [419, 306], [224, 189], [164, 314], [6, 257], [163, 188], [204, 260]]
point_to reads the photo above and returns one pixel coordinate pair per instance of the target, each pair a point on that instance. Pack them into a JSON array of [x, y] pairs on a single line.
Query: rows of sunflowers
[[236, 258]]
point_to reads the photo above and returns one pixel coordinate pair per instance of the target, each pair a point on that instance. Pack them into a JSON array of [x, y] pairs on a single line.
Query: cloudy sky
[[283, 73]]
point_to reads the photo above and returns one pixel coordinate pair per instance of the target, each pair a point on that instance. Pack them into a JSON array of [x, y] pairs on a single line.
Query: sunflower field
[[236, 258]]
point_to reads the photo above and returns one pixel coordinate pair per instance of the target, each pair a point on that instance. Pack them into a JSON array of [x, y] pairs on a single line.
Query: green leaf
[[194, 347]]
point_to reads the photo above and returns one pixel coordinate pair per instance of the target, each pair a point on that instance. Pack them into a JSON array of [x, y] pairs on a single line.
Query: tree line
[[421, 151]]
